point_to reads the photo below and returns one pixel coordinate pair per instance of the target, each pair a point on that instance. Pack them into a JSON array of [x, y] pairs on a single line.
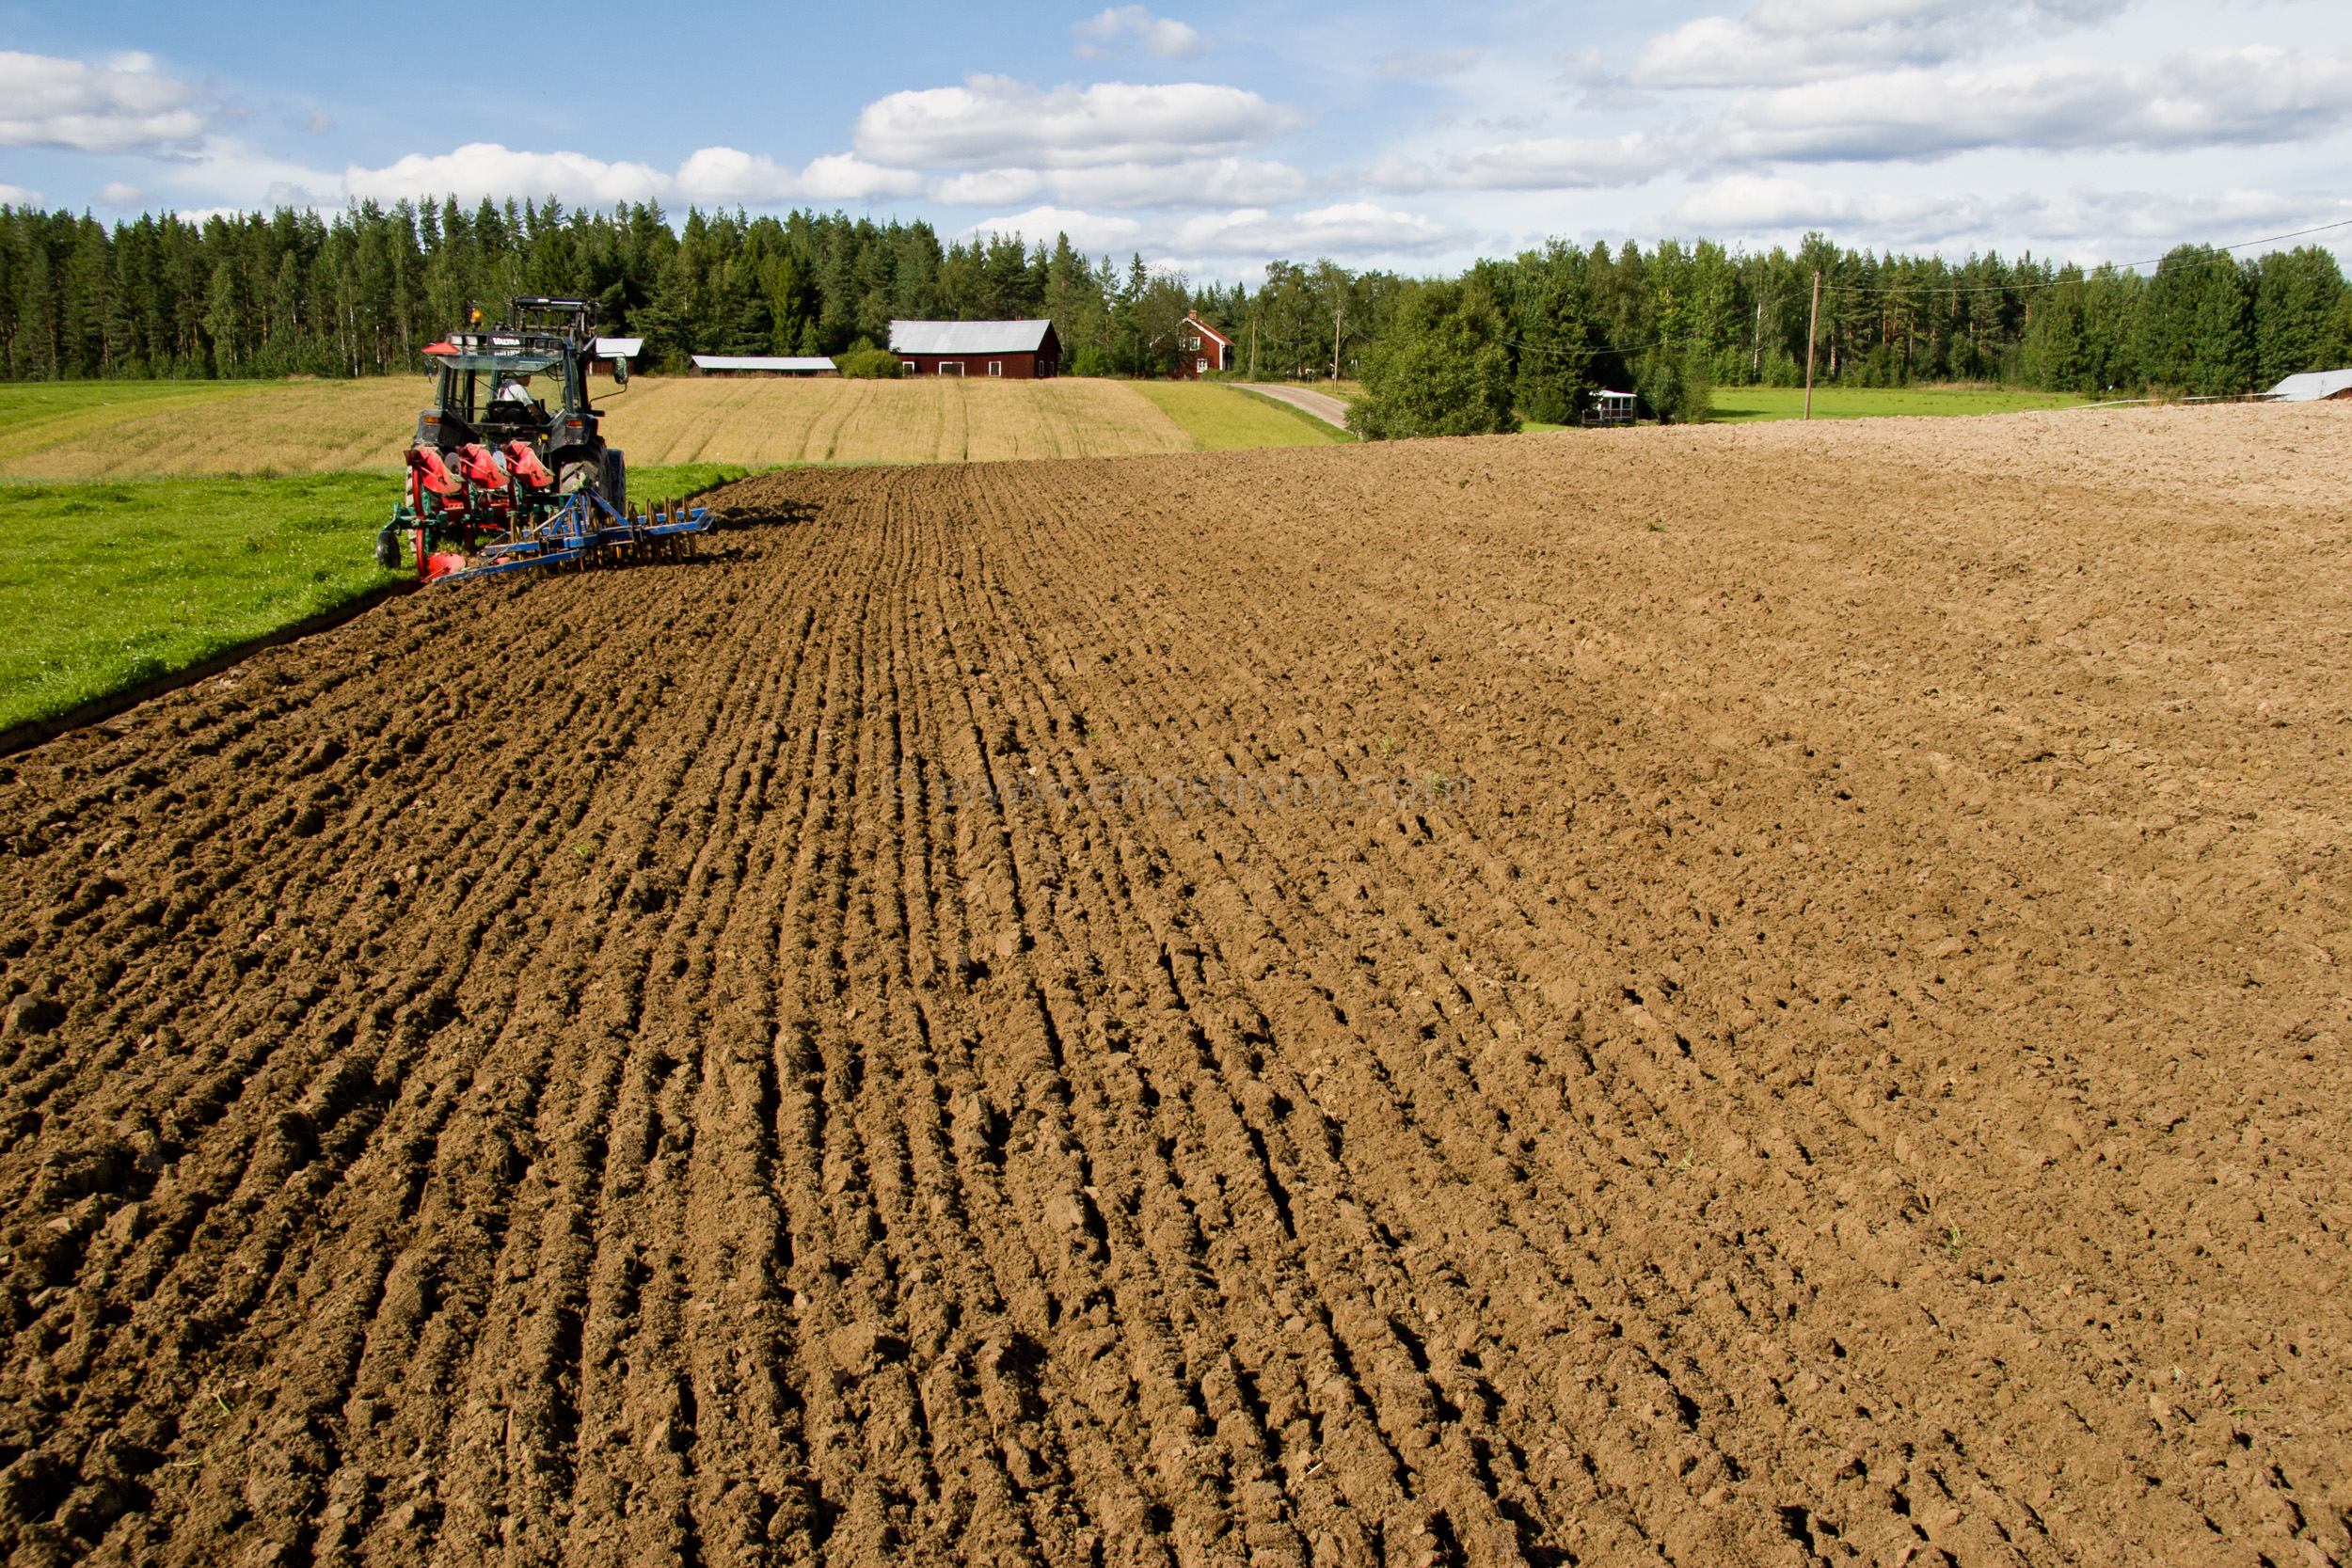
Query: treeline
[[362, 292], [1540, 333]]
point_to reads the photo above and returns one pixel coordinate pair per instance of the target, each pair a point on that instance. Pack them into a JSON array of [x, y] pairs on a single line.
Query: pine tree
[[1558, 336], [2056, 355], [2222, 358], [2297, 293], [224, 319]]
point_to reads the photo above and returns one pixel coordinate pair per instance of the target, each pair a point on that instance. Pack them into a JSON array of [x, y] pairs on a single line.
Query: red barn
[[1200, 349], [1014, 351]]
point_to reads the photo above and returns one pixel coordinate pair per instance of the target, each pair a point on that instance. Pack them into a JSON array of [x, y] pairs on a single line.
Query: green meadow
[[105, 586]]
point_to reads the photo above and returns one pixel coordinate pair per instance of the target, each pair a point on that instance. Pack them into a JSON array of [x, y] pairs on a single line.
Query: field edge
[[30, 733]]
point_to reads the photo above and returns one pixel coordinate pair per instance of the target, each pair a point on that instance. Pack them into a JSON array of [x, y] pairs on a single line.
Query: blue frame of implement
[[575, 529]]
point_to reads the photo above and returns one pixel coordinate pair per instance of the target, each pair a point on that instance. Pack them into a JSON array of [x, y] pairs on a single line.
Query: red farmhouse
[[1016, 351], [1200, 349]]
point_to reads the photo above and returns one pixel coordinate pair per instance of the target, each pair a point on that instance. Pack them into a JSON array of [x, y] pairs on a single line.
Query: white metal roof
[[968, 336], [783, 364], [2311, 386], [619, 348]]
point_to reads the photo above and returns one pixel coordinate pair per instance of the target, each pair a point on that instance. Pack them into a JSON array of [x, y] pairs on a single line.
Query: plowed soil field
[[1756, 995]]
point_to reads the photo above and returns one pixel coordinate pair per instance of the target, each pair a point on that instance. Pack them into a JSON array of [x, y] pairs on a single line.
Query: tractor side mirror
[[620, 373]]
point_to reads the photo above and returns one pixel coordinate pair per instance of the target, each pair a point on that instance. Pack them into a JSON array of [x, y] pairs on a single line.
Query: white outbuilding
[[2312, 386], [764, 364]]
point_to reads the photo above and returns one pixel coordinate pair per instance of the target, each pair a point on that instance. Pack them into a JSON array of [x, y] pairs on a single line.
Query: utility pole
[[1337, 311], [1812, 330], [1254, 348]]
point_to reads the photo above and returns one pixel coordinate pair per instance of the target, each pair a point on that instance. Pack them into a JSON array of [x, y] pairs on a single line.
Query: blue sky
[[1214, 136]]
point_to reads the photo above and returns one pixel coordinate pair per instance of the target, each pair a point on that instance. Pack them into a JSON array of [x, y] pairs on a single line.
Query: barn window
[[995, 367], [1200, 367], [951, 367]]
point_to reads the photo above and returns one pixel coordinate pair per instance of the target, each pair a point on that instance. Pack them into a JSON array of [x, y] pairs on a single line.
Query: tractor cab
[[527, 380], [506, 385]]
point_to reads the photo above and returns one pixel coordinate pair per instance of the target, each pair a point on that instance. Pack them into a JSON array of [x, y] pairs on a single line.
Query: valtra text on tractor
[[508, 470]]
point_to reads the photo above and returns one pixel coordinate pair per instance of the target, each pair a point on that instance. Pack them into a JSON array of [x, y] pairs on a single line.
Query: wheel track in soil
[[653, 1107]]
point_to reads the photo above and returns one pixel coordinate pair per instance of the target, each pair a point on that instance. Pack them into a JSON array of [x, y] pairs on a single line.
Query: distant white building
[[762, 364], [2312, 386]]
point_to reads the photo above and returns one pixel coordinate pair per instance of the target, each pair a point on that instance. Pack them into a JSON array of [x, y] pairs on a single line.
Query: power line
[[1597, 348], [2156, 262]]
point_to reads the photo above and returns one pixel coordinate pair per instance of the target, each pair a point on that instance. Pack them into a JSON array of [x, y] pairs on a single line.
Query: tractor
[[508, 470]]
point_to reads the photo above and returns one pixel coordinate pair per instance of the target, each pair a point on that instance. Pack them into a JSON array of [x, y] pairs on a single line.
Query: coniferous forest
[[362, 292]]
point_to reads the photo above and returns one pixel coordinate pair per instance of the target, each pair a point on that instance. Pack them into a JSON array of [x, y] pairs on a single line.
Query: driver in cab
[[514, 396]]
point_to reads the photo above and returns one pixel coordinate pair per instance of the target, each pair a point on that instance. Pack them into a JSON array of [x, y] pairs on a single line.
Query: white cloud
[[125, 107], [480, 169], [232, 168], [1722, 50], [1198, 182], [714, 175], [2252, 95], [1352, 228], [1585, 65], [1089, 231], [2086, 223], [17, 195], [1747, 205], [1784, 42], [1349, 228], [119, 195], [1426, 64], [995, 121], [720, 174], [1107, 34], [1806, 16], [1539, 163], [318, 122], [2216, 97]]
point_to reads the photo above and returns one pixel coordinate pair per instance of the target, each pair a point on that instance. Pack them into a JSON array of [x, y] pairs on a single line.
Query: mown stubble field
[[1807, 1026], [327, 426]]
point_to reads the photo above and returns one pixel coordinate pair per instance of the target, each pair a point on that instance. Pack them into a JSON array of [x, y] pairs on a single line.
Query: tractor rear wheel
[[602, 474]]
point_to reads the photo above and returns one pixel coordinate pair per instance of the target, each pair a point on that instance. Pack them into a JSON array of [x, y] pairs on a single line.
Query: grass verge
[[1321, 426], [1746, 405], [660, 482], [107, 586], [1228, 419]]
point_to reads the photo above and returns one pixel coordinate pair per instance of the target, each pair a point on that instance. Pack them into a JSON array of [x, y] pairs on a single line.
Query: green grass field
[[105, 586], [1744, 404], [1226, 418]]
